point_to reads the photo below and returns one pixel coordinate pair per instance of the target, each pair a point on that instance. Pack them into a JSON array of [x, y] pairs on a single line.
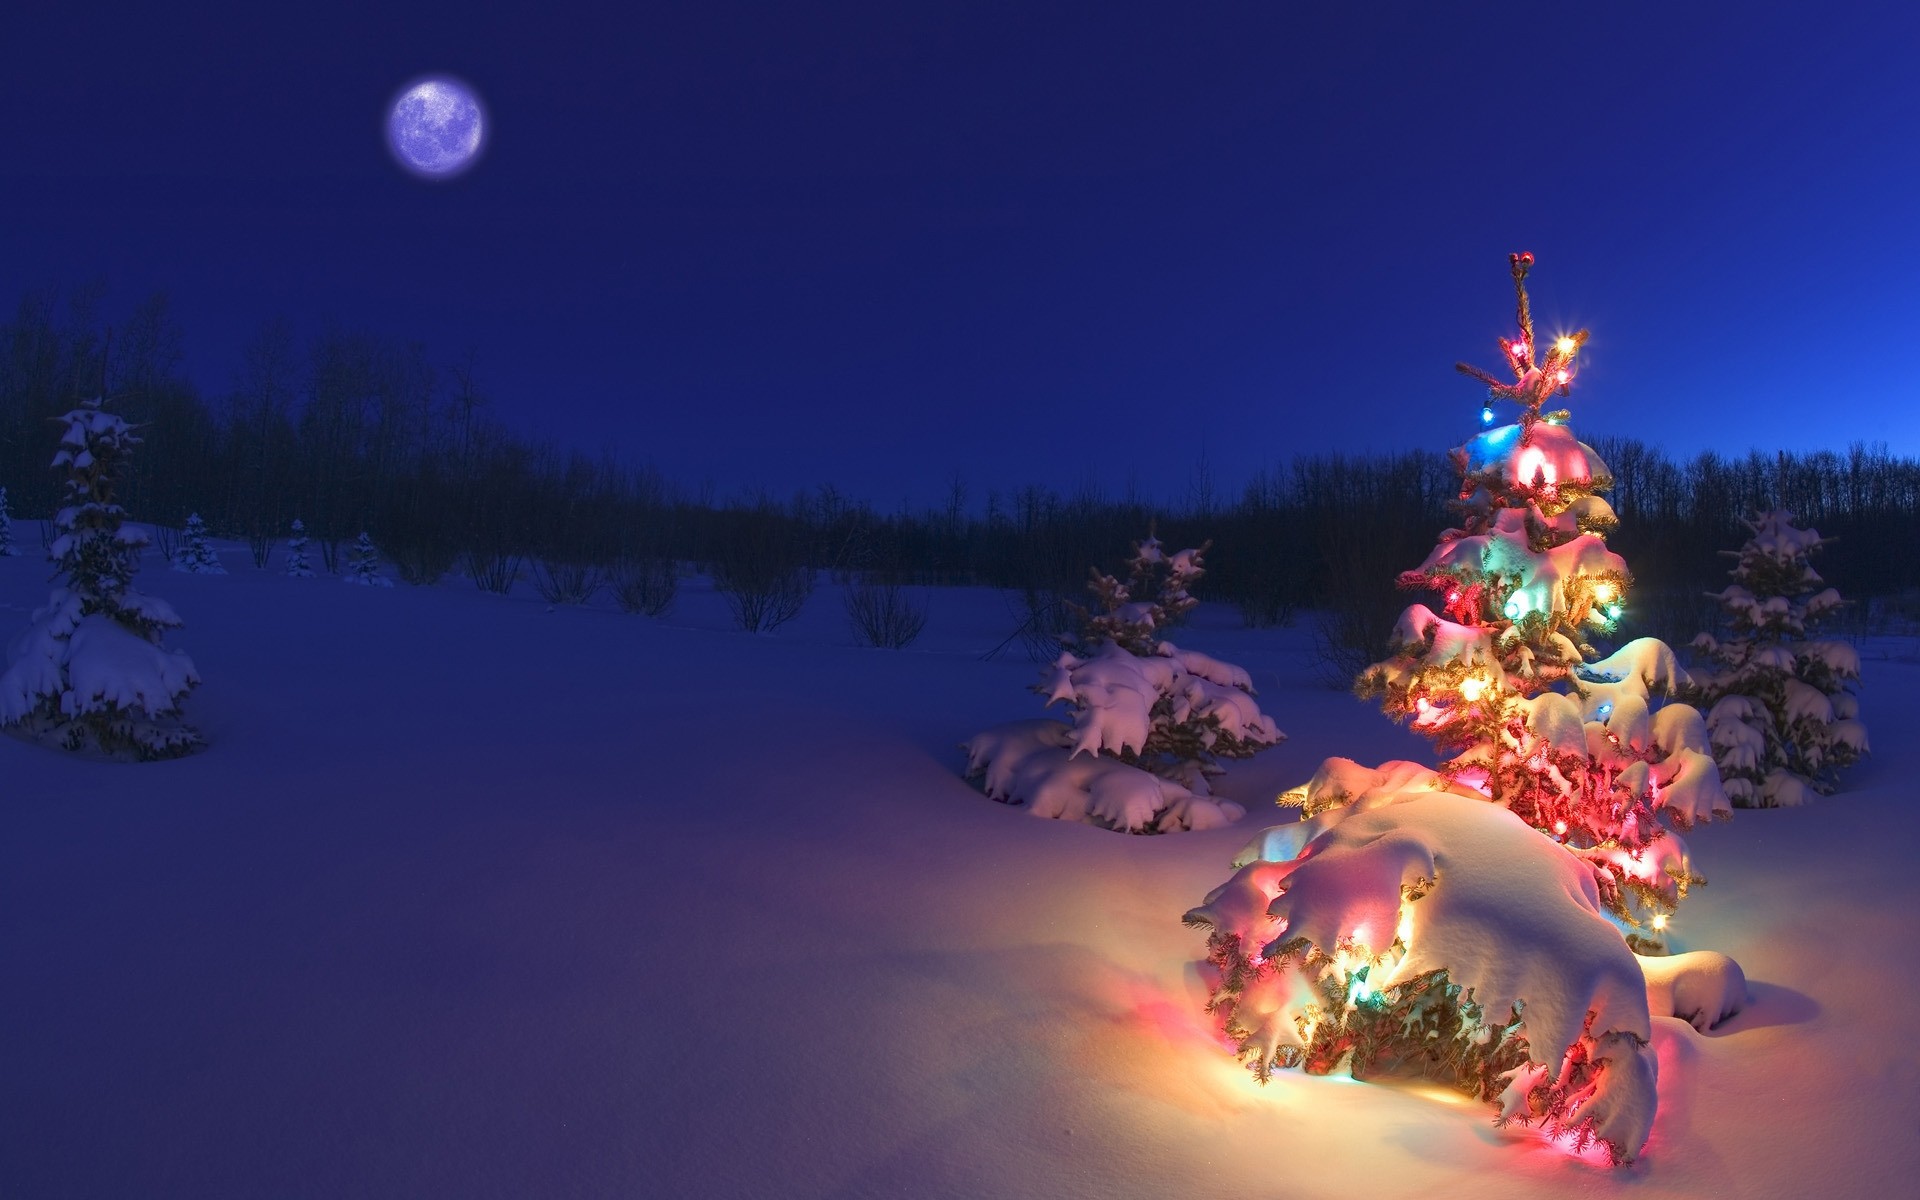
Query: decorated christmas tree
[[364, 567], [1150, 721], [1781, 709], [299, 566], [195, 555], [1589, 749], [7, 548], [1477, 923], [89, 673]]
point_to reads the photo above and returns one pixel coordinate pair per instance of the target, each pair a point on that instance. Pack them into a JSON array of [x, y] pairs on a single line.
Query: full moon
[[436, 127]]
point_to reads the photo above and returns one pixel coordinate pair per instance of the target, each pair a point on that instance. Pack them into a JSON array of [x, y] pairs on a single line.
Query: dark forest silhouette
[[359, 431]]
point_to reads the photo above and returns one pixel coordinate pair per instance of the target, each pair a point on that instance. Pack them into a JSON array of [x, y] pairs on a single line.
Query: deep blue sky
[[872, 243]]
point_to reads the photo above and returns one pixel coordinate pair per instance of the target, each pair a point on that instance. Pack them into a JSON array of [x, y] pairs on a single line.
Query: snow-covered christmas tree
[[1150, 721], [90, 673], [299, 566], [196, 555], [1406, 923], [1590, 749], [364, 567], [7, 548], [1781, 710]]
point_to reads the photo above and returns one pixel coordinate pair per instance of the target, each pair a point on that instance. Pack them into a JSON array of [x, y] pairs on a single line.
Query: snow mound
[[1035, 763], [1701, 987], [92, 666], [1440, 932]]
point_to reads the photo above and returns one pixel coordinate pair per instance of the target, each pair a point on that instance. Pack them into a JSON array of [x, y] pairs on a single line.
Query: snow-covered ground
[[471, 898]]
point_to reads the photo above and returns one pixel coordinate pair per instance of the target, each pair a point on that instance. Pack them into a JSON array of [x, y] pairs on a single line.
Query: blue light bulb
[[1486, 414]]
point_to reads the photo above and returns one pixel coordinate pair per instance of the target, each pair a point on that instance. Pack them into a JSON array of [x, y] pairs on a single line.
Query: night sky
[[870, 244]]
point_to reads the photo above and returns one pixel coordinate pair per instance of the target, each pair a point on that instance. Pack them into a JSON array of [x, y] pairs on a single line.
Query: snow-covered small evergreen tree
[[89, 673], [1781, 710], [1150, 721], [364, 567], [196, 555], [299, 566], [7, 548]]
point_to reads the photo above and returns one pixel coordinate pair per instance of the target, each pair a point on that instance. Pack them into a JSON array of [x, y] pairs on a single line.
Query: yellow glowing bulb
[[1659, 920], [1564, 345], [1471, 687], [1603, 592]]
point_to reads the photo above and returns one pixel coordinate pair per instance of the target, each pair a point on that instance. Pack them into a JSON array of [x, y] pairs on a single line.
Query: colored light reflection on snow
[[1532, 463]]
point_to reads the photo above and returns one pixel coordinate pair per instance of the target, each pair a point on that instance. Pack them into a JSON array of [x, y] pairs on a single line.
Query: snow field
[[471, 898]]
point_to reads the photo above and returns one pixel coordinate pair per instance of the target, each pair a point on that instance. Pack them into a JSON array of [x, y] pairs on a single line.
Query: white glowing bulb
[[1560, 377], [1565, 345], [1659, 920], [1471, 687]]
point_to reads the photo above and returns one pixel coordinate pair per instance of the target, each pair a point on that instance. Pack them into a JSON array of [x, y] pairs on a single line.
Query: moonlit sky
[[873, 243]]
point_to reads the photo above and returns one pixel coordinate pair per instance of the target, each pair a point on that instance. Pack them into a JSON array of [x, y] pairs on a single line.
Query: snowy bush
[[299, 566], [195, 554], [89, 672], [1427, 932], [364, 567], [1149, 721], [1782, 715]]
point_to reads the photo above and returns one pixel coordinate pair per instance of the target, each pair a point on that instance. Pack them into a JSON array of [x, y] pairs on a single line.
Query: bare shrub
[[761, 568], [1355, 630], [645, 585], [166, 539], [565, 582], [420, 561], [261, 545], [493, 572], [883, 614]]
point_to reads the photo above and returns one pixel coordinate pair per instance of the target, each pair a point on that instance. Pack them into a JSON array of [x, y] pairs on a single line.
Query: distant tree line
[[359, 431]]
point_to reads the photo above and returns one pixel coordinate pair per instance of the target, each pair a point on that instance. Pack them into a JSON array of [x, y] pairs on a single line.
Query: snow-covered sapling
[[196, 555], [7, 548], [299, 566], [364, 567], [1150, 721], [1592, 751], [1781, 710], [90, 673]]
